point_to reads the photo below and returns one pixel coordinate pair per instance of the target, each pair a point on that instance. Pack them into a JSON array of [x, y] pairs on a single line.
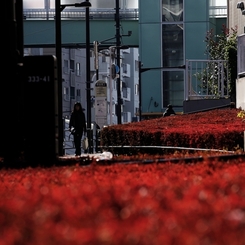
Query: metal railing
[[80, 13], [206, 79], [68, 142]]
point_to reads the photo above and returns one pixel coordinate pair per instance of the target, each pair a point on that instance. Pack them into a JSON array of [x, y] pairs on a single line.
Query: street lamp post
[[118, 43], [58, 9], [110, 82], [88, 80], [112, 66]]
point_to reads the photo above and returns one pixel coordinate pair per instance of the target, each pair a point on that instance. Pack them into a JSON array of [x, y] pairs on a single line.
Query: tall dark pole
[[140, 106], [96, 59], [89, 134], [19, 20], [59, 73], [11, 54], [118, 43]]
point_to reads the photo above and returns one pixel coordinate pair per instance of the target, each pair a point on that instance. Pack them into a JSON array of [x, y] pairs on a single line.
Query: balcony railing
[[80, 13], [206, 79]]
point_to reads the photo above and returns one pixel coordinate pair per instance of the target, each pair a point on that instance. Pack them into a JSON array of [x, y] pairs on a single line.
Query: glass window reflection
[[172, 45], [173, 88], [172, 10]]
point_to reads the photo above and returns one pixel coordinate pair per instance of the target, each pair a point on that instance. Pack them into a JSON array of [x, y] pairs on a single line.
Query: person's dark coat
[[77, 125], [169, 111]]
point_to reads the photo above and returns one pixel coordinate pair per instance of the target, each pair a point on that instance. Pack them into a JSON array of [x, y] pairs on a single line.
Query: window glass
[[30, 4], [65, 67], [79, 92], [78, 69], [72, 93], [172, 45], [173, 88], [172, 10]]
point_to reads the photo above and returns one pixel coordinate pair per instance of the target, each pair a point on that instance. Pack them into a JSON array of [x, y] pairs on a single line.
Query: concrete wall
[[236, 19], [240, 93]]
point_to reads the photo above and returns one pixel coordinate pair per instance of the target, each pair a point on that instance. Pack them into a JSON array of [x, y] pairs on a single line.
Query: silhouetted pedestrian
[[169, 111], [77, 126]]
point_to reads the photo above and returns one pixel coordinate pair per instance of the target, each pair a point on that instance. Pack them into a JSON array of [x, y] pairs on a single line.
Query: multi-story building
[[128, 87], [74, 81], [74, 68], [171, 33]]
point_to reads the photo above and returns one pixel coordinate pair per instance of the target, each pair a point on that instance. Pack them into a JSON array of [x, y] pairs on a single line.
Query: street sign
[[101, 103], [100, 88], [117, 69], [114, 71]]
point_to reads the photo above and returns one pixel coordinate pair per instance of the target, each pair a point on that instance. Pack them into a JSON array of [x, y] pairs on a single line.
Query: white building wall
[[240, 91], [130, 107], [237, 19], [129, 57]]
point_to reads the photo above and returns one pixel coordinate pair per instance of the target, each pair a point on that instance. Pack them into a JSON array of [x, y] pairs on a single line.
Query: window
[[136, 65], [72, 65], [78, 70], [78, 94], [66, 93], [136, 89], [172, 45], [172, 52], [72, 93], [241, 55], [173, 88], [65, 68], [124, 67], [172, 10]]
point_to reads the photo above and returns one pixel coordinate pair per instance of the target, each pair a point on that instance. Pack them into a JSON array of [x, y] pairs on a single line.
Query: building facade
[[172, 32], [128, 86], [74, 81]]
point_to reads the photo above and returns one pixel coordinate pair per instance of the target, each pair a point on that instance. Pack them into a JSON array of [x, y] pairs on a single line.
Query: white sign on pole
[[101, 103]]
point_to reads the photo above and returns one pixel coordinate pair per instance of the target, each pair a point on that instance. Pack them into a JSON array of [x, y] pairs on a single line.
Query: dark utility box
[[40, 117]]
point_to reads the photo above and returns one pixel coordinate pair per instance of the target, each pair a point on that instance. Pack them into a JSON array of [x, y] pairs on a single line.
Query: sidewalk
[[87, 157]]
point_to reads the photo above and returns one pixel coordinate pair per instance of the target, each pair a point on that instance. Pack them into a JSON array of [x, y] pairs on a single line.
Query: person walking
[[169, 111], [77, 126]]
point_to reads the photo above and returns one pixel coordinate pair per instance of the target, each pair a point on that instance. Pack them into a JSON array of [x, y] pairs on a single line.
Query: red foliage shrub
[[164, 202], [215, 129], [124, 204]]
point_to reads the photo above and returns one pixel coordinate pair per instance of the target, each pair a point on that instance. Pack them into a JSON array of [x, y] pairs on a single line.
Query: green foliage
[[224, 47], [241, 114]]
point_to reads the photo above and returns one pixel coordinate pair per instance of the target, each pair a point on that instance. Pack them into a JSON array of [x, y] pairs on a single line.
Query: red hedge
[[215, 129], [155, 204]]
